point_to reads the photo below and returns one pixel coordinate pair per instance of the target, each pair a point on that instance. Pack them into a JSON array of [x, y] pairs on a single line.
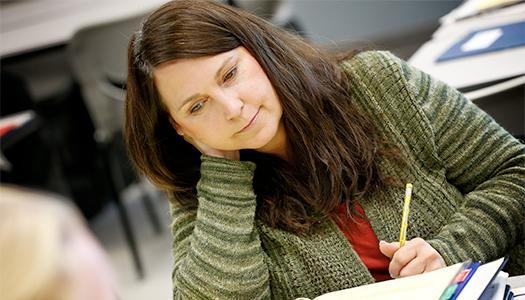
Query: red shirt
[[364, 241]]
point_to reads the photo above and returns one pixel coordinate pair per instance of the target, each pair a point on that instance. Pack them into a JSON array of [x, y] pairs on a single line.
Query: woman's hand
[[205, 149], [415, 257]]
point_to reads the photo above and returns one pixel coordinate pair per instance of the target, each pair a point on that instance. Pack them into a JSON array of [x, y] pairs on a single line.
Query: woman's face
[[224, 101]]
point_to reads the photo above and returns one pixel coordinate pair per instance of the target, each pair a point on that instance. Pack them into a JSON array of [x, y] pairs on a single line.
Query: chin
[[264, 141]]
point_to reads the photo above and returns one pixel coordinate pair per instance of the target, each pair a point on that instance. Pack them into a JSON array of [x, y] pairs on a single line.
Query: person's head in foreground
[[47, 252], [287, 166]]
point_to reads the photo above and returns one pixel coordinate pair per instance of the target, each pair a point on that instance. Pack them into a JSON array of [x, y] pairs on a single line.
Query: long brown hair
[[334, 147]]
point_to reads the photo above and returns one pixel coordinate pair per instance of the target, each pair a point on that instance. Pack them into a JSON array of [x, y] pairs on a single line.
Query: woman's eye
[[197, 107], [230, 74]]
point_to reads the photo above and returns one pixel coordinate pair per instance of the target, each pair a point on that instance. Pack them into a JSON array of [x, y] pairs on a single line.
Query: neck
[[278, 146]]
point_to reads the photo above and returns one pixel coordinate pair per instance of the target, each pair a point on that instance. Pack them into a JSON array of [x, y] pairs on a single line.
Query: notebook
[[431, 285], [482, 279], [487, 40]]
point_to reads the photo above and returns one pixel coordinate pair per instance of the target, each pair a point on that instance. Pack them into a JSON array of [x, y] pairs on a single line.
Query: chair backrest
[[98, 56]]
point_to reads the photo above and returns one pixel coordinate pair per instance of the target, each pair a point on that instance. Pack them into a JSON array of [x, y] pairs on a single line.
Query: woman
[[47, 253], [286, 167]]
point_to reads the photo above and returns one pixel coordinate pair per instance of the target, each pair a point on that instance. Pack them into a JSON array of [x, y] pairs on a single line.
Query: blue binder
[[507, 36]]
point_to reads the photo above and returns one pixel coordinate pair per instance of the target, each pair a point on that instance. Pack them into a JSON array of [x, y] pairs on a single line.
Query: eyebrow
[[217, 75]]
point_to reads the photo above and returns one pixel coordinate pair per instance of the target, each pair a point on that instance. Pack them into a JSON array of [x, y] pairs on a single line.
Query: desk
[[472, 70], [29, 25], [494, 80]]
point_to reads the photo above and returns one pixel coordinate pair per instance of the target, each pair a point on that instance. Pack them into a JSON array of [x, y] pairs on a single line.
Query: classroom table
[[494, 80]]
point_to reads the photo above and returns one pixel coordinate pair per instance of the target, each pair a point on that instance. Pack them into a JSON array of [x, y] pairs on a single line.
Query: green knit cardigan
[[468, 200]]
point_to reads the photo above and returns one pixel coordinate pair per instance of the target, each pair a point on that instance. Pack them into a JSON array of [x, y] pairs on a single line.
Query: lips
[[251, 121]]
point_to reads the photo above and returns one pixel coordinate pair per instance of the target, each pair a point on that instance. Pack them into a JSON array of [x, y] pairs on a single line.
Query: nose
[[232, 106]]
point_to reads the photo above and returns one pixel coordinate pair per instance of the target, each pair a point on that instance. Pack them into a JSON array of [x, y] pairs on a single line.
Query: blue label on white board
[[487, 40]]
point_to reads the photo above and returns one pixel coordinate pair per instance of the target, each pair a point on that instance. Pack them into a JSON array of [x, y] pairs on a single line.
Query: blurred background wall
[[391, 24]]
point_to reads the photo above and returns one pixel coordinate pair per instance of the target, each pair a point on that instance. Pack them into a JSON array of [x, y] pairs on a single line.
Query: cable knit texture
[[468, 201]]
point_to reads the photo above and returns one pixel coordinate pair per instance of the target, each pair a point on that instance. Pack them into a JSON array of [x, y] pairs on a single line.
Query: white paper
[[496, 290], [482, 40]]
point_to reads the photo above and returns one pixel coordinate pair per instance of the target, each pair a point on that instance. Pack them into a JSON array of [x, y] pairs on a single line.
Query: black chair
[[98, 57]]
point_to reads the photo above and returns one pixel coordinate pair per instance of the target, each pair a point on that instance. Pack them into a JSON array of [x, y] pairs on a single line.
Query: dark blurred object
[[56, 151], [69, 133], [14, 94], [27, 166]]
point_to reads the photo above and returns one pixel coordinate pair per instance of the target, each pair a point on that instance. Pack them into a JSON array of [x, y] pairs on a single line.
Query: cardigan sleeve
[[216, 249], [483, 161]]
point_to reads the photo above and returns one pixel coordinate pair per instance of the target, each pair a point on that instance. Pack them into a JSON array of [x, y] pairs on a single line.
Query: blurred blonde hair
[[33, 229]]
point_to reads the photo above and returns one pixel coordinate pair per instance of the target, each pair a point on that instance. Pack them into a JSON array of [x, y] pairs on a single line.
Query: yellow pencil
[[404, 220]]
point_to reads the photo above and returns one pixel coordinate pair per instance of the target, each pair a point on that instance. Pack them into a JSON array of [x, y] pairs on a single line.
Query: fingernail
[[382, 242]]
